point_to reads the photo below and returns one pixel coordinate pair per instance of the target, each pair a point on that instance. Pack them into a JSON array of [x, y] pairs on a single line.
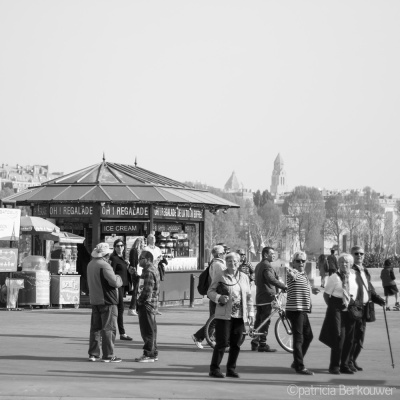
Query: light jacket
[[225, 311]]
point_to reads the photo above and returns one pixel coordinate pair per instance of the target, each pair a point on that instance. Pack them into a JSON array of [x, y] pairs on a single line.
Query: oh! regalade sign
[[9, 223]]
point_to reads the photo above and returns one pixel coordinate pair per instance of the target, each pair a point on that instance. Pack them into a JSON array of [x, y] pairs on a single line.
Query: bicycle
[[283, 329]]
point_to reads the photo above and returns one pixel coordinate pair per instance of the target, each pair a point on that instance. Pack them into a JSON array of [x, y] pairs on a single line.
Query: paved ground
[[43, 355]]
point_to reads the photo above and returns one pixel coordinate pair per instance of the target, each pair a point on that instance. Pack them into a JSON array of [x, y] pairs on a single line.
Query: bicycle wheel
[[210, 333], [283, 334]]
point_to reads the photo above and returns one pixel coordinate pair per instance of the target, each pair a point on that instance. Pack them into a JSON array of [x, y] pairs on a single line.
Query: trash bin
[[13, 286]]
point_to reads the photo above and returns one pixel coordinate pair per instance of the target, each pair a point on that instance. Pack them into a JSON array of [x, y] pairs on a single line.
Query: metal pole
[[191, 291], [387, 330]]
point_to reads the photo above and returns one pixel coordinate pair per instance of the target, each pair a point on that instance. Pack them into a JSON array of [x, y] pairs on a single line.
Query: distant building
[[21, 177], [233, 186], [278, 179]]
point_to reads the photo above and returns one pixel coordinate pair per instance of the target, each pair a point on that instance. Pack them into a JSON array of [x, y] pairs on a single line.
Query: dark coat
[[266, 282], [331, 327], [120, 267]]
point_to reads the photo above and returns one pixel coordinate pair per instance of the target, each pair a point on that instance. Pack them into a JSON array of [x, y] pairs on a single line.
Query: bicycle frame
[[276, 305]]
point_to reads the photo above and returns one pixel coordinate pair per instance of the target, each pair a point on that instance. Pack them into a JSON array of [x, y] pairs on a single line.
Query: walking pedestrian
[[323, 268], [389, 285]]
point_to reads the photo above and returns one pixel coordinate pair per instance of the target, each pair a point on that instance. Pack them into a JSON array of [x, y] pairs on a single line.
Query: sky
[[198, 89]]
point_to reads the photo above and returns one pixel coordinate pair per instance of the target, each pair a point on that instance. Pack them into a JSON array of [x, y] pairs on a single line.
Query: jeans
[[227, 333], [121, 292], [302, 336], [148, 330], [200, 335], [132, 305], [263, 312], [103, 328], [340, 351]]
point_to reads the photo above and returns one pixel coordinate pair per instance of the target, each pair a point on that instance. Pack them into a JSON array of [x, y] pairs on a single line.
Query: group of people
[[231, 303], [107, 274]]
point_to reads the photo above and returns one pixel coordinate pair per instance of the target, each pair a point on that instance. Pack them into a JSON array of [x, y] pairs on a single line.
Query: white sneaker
[[197, 343], [132, 312]]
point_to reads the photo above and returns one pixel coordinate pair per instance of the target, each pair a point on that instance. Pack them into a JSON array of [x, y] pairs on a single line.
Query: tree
[[373, 215], [260, 199], [334, 223], [305, 210], [5, 192], [351, 214]]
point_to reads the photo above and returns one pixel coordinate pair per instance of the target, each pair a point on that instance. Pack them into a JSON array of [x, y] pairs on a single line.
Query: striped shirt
[[298, 293]]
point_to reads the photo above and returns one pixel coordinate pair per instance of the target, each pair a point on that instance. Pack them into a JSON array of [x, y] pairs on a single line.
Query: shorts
[[390, 290]]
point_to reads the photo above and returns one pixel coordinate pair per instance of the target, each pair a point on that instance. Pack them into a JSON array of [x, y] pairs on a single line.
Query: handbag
[[369, 308], [355, 309]]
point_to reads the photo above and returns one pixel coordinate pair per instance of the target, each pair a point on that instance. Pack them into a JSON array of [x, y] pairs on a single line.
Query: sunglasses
[[119, 245], [358, 254], [300, 261], [242, 254]]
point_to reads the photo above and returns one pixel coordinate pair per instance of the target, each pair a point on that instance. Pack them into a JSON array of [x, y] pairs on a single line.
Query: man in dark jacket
[[266, 284], [103, 293], [367, 293]]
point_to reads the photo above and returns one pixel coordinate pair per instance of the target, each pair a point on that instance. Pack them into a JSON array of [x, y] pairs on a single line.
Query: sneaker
[[305, 371], [113, 359], [94, 358], [132, 312], [125, 337], [387, 308], [155, 358], [145, 359], [197, 343]]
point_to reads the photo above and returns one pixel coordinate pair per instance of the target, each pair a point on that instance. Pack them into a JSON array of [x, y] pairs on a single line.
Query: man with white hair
[[103, 293], [217, 265]]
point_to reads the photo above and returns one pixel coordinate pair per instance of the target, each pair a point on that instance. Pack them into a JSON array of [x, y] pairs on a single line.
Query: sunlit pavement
[[44, 356]]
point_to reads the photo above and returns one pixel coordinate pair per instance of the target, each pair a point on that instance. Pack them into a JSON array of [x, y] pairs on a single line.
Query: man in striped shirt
[[298, 306]]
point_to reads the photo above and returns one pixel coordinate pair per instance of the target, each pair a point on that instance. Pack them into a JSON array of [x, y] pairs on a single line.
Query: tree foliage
[[305, 210]]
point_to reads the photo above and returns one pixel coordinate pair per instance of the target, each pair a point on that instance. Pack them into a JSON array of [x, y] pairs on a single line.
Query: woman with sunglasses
[[120, 267], [298, 306]]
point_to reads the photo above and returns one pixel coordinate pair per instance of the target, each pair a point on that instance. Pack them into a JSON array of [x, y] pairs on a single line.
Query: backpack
[[204, 281]]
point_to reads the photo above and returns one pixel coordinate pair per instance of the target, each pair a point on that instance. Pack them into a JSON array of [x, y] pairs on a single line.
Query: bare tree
[[306, 211], [352, 214], [335, 224]]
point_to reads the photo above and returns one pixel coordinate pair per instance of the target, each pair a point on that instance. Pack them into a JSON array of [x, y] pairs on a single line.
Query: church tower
[[278, 179]]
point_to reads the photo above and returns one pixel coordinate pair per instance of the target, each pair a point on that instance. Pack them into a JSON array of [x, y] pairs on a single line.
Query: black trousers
[[200, 335], [263, 312], [120, 318], [340, 351], [302, 336], [358, 340], [227, 333], [148, 330]]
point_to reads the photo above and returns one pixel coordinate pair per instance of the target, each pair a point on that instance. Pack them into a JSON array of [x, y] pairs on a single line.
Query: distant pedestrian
[[298, 306], [147, 306], [332, 263], [389, 284], [103, 293], [245, 266], [323, 268]]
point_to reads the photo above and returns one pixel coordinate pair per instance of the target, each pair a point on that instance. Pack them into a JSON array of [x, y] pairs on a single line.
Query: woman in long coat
[[323, 268], [337, 330]]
